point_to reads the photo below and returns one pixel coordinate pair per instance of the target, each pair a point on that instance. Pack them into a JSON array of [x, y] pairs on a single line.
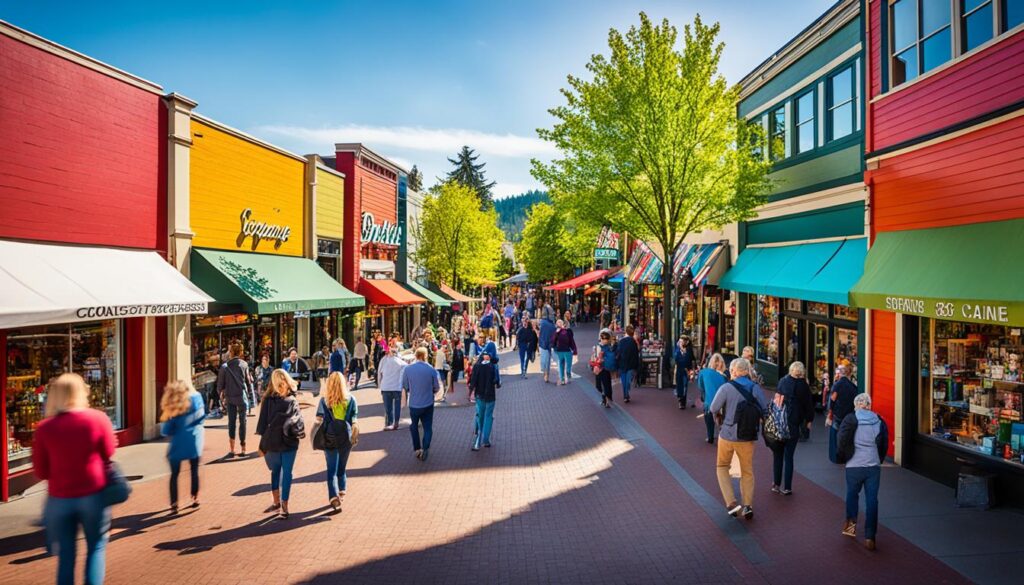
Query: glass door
[[820, 354], [793, 341]]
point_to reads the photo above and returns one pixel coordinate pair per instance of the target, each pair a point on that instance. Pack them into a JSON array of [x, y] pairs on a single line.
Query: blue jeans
[[564, 365], [392, 407], [484, 421], [524, 359], [337, 461], [869, 478], [709, 422], [545, 361], [426, 416], [176, 469], [62, 516], [833, 441], [782, 462], [236, 411], [280, 464], [626, 377], [682, 383]]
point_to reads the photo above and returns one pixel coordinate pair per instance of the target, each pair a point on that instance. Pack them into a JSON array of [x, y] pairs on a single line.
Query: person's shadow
[[263, 527]]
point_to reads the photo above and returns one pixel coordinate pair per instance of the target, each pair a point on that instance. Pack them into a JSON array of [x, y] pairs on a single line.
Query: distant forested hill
[[512, 211]]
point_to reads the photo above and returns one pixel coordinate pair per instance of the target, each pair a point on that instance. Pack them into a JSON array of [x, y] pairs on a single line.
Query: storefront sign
[[953, 310], [606, 254], [120, 311], [258, 230], [384, 233]]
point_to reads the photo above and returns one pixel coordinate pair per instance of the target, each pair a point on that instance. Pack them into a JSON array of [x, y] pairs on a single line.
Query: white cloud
[[442, 140]]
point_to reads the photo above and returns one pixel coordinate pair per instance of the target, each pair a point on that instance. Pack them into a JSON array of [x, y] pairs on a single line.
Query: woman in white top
[[443, 359], [357, 365], [389, 372]]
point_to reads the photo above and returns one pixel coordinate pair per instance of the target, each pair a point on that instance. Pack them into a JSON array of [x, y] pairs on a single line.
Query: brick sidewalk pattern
[[560, 498]]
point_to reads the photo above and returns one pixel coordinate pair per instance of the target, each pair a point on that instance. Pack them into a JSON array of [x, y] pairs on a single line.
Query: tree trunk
[[667, 315]]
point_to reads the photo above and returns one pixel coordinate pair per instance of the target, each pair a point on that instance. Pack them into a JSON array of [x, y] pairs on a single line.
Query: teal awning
[[821, 271], [433, 297]]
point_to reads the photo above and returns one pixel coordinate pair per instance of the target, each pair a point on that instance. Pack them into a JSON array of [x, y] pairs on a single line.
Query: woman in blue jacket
[[685, 362], [608, 354], [183, 412], [709, 381]]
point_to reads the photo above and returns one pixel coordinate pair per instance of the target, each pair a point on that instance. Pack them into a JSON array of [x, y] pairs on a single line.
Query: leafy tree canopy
[[552, 245], [470, 173], [459, 243], [415, 179], [512, 211]]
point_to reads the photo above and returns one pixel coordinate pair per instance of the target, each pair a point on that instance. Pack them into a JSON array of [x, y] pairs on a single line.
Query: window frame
[[772, 131], [813, 121], [831, 107]]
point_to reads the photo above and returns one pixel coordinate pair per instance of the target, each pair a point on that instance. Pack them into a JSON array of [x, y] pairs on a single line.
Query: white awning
[[43, 283], [369, 266]]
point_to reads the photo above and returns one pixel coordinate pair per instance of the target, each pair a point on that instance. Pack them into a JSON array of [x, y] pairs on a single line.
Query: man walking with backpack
[[740, 405]]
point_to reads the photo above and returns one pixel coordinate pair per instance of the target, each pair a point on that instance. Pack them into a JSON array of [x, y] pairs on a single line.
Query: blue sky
[[413, 80]]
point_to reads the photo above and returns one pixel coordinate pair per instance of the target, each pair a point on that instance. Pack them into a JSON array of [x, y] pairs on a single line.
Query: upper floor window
[[924, 34], [842, 96], [777, 134], [805, 127]]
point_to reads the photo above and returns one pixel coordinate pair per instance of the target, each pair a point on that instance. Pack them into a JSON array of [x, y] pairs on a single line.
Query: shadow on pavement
[[266, 526]]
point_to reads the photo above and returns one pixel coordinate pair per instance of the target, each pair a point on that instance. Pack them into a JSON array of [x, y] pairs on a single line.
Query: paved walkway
[[570, 493]]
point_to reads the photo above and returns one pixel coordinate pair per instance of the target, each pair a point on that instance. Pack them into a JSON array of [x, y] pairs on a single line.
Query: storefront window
[[768, 329], [37, 355], [792, 340], [846, 350], [821, 351], [288, 340], [265, 338], [793, 305], [322, 327], [845, 313], [751, 319], [971, 387], [818, 309]]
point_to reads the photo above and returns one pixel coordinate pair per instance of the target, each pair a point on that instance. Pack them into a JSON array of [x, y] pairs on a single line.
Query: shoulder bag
[[117, 489]]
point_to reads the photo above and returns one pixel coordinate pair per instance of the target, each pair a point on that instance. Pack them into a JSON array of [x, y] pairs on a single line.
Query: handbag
[[117, 489]]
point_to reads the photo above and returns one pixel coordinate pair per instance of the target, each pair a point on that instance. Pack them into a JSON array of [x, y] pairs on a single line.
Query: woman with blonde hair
[[280, 428], [72, 449], [337, 414], [182, 413]]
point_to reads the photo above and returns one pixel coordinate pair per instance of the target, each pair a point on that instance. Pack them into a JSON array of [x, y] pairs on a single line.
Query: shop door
[[821, 352]]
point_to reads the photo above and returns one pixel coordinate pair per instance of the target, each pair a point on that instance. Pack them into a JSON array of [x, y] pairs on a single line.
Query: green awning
[[820, 271], [428, 294], [267, 284], [957, 273]]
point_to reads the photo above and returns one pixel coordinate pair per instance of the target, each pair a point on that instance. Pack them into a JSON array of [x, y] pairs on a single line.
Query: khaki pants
[[744, 451]]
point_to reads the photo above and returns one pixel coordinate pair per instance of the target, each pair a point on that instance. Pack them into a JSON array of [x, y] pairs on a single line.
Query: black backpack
[[748, 415]]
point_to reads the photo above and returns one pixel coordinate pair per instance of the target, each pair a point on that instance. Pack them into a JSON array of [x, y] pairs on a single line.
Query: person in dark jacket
[[279, 439], [482, 385], [685, 363], [840, 405], [234, 382], [863, 442], [608, 356], [793, 394], [564, 345], [545, 335], [628, 361], [339, 357], [526, 341]]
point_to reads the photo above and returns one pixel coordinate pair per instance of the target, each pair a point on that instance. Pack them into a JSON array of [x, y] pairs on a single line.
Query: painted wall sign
[[259, 230], [383, 233], [952, 310]]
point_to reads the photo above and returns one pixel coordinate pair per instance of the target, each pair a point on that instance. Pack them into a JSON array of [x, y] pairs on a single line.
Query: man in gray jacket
[[740, 390], [863, 443]]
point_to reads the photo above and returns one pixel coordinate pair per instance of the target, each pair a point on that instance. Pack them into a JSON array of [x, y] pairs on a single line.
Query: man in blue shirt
[[547, 330], [420, 380]]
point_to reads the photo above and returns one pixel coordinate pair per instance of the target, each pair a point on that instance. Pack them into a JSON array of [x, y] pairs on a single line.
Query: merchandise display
[[767, 329], [972, 387]]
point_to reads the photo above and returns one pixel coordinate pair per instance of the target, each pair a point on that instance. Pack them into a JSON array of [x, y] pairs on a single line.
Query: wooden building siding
[[977, 177], [981, 83], [379, 196], [827, 222], [875, 46], [805, 176], [80, 153], [330, 205], [883, 369]]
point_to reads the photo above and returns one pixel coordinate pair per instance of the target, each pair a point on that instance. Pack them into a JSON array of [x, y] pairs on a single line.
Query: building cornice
[[841, 13], [361, 150], [247, 137], [53, 48]]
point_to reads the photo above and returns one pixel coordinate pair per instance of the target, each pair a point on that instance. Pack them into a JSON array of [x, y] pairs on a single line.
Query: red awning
[[581, 280], [387, 293], [456, 295]]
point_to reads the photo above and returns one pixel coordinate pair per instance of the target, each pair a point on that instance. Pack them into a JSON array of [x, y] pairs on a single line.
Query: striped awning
[[644, 265], [699, 259]]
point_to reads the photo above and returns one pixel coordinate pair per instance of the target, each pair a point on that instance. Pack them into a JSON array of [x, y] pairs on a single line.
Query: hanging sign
[[383, 233], [606, 254], [260, 230]]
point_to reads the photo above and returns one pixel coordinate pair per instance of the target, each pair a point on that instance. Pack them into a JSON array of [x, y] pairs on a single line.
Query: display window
[[287, 333], [971, 387], [768, 329], [846, 350], [845, 313], [817, 309], [821, 351], [323, 329], [793, 340], [36, 355]]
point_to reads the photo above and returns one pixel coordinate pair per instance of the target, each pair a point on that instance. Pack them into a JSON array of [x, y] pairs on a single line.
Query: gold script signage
[[260, 230]]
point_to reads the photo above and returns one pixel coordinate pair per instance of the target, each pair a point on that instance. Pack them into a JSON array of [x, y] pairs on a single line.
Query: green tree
[[651, 143], [415, 179], [458, 242], [552, 246], [504, 269], [471, 174]]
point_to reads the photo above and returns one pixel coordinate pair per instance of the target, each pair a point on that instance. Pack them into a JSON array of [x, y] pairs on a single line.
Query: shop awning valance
[[431, 296], [952, 273], [268, 284], [577, 282], [517, 279], [387, 293], [42, 284], [456, 295], [820, 271]]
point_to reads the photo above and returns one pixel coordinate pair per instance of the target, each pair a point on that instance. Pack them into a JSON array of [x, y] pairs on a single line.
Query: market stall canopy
[[820, 271], [705, 263], [456, 295], [267, 284], [644, 265], [517, 279], [581, 280], [432, 297], [387, 293], [44, 283], [946, 273]]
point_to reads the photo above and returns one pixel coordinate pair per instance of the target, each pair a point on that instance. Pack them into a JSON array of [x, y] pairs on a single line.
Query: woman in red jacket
[[71, 450]]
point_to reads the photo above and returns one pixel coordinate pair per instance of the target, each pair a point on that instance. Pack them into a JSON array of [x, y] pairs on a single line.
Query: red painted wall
[[365, 190], [977, 177], [80, 153], [984, 82], [883, 369]]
